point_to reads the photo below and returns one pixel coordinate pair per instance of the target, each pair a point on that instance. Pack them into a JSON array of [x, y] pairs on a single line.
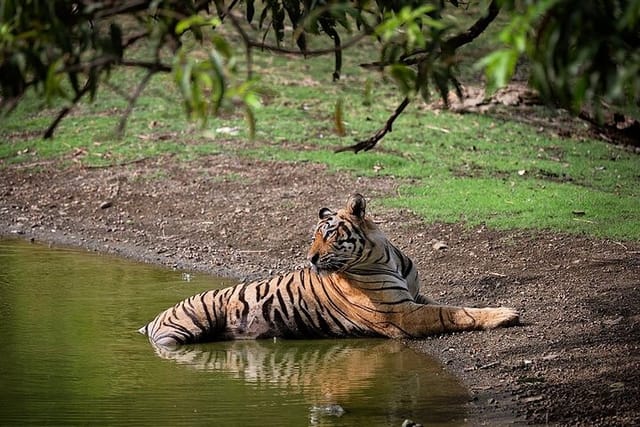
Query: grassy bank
[[471, 168]]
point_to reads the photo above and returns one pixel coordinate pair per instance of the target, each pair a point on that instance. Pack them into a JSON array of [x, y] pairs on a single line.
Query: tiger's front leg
[[418, 320]]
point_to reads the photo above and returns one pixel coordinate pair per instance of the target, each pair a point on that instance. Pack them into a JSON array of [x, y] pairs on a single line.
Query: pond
[[70, 354]]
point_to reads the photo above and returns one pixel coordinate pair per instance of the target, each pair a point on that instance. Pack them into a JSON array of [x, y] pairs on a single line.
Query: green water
[[70, 355]]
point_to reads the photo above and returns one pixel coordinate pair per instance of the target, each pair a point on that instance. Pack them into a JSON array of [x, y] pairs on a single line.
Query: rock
[[439, 245]]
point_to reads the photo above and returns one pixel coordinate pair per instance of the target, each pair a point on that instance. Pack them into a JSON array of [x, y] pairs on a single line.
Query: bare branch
[[371, 142], [247, 43], [224, 13], [134, 38], [117, 90], [107, 60], [156, 66], [473, 31], [48, 134], [132, 102]]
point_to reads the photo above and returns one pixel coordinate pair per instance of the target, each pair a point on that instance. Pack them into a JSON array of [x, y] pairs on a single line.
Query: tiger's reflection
[[334, 374]]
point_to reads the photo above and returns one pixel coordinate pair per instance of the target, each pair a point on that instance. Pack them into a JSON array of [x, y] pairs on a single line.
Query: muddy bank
[[574, 361]]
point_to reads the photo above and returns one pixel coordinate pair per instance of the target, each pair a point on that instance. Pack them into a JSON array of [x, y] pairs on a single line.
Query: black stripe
[[301, 278], [324, 326], [281, 325], [263, 284], [206, 310], [243, 300], [301, 325], [287, 287], [266, 309], [301, 301], [190, 310], [177, 339], [338, 323], [304, 308], [220, 310], [313, 290], [282, 303], [178, 329]]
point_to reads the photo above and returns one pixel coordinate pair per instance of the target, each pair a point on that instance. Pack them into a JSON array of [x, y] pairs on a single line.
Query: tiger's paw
[[499, 317]]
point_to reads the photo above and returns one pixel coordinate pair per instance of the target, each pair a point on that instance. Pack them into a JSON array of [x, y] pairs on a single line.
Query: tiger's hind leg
[[416, 320]]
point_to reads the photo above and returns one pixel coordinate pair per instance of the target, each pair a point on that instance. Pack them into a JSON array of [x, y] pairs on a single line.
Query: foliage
[[581, 53], [68, 49]]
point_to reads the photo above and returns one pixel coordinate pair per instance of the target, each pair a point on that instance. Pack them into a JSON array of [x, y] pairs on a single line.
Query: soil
[[575, 360]]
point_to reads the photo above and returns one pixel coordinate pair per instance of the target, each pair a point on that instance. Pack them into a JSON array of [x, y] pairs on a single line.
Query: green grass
[[468, 168]]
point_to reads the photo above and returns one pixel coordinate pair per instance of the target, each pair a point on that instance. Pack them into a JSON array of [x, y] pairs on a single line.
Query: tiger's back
[[300, 304]]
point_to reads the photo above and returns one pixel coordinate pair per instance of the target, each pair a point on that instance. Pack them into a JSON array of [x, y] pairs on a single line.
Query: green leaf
[[194, 22], [404, 77], [499, 67], [218, 79], [52, 85]]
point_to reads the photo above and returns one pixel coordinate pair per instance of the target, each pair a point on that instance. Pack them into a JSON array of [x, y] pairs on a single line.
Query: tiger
[[356, 284]]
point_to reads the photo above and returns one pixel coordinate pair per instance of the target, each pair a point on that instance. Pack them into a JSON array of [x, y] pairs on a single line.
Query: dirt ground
[[574, 361]]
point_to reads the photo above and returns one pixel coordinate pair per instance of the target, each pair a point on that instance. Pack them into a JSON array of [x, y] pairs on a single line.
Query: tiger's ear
[[325, 213], [356, 205]]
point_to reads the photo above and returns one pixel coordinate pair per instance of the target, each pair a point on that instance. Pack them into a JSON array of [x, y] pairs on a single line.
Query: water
[[70, 355]]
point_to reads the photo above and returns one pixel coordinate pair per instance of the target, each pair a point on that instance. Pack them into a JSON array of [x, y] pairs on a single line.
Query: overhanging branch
[[473, 31], [447, 49], [48, 134], [449, 46], [369, 143]]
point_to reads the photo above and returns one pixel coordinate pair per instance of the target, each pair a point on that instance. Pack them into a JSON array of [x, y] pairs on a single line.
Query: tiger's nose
[[313, 259]]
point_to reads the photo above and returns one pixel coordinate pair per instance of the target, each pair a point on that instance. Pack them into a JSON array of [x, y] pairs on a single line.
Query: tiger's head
[[342, 239]]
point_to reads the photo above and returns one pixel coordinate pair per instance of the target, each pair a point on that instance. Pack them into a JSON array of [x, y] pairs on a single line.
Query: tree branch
[[247, 45], [48, 134], [473, 31], [448, 46], [106, 60], [371, 142], [156, 66], [447, 49], [132, 102]]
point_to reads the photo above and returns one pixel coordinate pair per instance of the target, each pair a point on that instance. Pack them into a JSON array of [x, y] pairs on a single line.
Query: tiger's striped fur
[[358, 285]]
